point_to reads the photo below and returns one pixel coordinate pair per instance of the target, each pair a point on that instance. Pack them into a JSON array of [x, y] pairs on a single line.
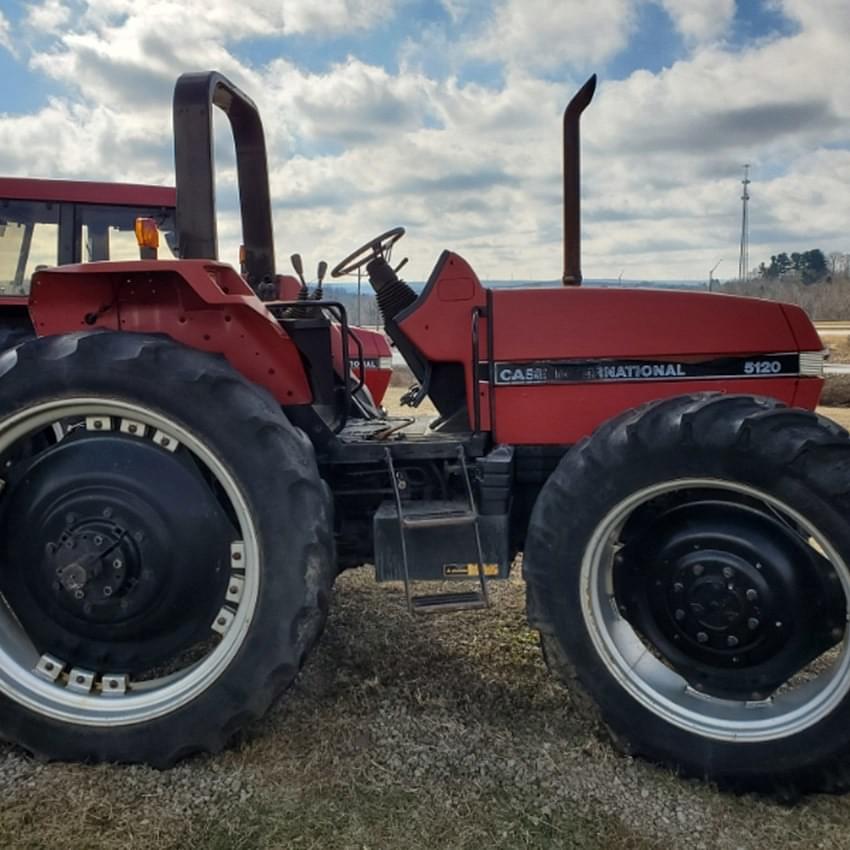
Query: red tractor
[[189, 461], [56, 222]]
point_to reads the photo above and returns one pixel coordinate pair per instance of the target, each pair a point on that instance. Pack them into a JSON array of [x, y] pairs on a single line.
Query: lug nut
[[699, 569], [680, 614], [98, 540], [107, 512], [752, 595], [753, 624], [702, 637], [728, 572], [731, 640], [117, 563], [107, 590], [678, 587]]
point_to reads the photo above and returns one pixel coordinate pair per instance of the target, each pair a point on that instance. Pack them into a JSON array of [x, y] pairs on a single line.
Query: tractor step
[[436, 519], [435, 602], [440, 515]]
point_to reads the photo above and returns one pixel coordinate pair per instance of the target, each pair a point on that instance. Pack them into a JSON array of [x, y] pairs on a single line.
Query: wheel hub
[[127, 552], [96, 569], [736, 600], [722, 604]]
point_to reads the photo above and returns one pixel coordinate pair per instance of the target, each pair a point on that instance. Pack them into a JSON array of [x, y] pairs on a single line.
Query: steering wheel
[[374, 248]]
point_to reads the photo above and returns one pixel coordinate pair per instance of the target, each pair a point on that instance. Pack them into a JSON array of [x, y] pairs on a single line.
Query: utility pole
[[744, 259]]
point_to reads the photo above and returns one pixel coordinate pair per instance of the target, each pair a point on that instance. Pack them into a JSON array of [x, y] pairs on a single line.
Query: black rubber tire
[[273, 465], [793, 455], [14, 331]]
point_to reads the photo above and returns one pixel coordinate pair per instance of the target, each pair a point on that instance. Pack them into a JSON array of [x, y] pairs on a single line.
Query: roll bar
[[194, 164]]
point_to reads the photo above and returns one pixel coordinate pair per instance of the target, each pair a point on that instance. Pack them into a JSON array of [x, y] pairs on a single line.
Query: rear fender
[[202, 304]]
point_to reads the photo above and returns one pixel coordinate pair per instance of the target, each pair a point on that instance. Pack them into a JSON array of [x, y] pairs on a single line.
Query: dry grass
[[436, 732]]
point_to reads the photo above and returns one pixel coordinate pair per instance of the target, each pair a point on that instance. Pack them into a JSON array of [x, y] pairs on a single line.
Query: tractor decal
[[595, 371]]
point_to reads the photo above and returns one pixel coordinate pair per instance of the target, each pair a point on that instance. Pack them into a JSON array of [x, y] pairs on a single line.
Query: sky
[[444, 116]]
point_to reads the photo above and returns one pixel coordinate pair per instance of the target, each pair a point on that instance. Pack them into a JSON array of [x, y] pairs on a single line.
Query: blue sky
[[444, 116]]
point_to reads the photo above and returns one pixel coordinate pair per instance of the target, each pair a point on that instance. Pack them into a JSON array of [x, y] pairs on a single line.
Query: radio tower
[[744, 260]]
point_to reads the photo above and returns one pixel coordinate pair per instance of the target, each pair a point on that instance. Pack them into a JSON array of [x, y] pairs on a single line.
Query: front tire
[[687, 566], [178, 556]]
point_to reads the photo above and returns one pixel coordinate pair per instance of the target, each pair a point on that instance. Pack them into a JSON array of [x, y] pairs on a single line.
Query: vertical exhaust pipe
[[572, 183]]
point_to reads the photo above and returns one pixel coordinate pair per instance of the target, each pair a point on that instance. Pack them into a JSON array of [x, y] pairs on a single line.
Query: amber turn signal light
[[147, 234]]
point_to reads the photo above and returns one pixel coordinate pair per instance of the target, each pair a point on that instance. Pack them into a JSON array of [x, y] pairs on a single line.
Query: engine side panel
[[202, 304], [687, 343]]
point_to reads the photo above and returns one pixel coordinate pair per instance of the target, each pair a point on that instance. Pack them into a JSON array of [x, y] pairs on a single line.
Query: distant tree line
[[807, 267], [820, 284]]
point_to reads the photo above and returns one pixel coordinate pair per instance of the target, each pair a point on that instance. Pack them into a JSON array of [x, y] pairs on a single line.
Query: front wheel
[[165, 562], [688, 570]]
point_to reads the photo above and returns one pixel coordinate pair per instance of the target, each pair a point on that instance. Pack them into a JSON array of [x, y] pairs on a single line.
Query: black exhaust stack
[[194, 167], [572, 183]]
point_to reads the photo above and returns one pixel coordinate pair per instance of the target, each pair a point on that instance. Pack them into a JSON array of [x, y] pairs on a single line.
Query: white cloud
[[542, 34], [334, 16], [5, 35], [700, 20], [49, 16]]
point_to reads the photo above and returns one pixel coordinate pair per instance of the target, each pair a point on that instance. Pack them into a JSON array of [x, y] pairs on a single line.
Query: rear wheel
[[688, 569], [166, 560]]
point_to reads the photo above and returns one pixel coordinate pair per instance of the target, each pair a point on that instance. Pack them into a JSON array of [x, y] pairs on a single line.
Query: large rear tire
[[687, 567], [177, 560]]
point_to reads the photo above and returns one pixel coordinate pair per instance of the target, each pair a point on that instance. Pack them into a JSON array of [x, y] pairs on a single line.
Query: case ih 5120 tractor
[[188, 462]]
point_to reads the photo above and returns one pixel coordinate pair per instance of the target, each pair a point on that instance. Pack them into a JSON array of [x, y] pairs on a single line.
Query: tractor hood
[[553, 364]]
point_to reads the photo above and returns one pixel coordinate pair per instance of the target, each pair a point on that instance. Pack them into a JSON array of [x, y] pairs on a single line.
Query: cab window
[[29, 239], [108, 232]]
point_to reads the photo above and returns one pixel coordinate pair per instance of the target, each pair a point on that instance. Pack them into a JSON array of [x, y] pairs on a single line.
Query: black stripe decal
[[515, 373]]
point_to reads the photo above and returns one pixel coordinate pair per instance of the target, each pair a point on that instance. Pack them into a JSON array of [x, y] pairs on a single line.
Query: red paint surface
[[577, 322], [375, 347], [87, 192], [203, 304]]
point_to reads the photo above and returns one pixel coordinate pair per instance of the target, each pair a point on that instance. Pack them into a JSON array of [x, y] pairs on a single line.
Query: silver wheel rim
[[24, 674], [662, 690]]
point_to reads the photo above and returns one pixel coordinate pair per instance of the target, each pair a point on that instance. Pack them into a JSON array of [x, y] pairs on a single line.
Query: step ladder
[[436, 602]]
